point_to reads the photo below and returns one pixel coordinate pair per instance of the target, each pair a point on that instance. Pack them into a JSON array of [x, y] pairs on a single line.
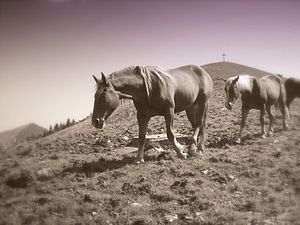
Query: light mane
[[149, 74], [243, 82]]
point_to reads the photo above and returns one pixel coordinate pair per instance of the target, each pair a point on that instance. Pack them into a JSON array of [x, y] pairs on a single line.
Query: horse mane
[[243, 82], [151, 76]]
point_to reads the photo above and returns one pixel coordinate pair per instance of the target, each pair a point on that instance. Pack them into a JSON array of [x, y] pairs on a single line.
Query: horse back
[[192, 76], [188, 84], [272, 87]]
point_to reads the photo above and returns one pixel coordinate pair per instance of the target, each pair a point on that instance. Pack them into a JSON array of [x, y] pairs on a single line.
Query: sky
[[49, 49]]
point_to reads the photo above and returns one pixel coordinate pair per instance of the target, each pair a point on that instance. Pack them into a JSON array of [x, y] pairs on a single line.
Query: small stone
[[198, 214], [231, 177], [45, 173], [205, 172], [136, 204], [171, 218], [125, 138]]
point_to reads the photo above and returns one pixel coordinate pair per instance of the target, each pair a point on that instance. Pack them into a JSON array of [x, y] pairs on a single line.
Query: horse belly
[[184, 99], [273, 94]]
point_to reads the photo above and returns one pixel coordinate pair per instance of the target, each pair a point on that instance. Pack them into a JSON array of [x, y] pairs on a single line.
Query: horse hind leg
[[199, 125], [271, 117], [169, 118], [262, 122], [285, 113], [191, 113], [290, 117], [202, 125]]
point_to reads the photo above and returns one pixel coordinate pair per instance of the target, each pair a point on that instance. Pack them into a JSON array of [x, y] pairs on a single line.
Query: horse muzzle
[[99, 123]]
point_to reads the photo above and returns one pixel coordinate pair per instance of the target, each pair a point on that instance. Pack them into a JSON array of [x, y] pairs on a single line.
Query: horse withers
[[257, 93], [157, 92]]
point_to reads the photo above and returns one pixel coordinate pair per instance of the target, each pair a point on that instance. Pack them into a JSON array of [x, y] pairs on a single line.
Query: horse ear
[[235, 80], [104, 79], [138, 70], [96, 79]]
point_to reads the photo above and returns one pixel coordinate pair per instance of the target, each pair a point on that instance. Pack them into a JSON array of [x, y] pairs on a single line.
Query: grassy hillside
[[228, 69], [82, 175]]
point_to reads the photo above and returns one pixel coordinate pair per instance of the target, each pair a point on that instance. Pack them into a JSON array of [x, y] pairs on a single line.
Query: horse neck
[[244, 85], [127, 84]]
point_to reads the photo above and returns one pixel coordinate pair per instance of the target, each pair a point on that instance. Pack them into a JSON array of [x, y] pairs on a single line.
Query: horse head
[[105, 102], [232, 92]]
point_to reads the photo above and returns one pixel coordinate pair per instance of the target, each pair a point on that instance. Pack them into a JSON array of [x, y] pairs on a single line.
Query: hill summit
[[20, 134], [228, 69]]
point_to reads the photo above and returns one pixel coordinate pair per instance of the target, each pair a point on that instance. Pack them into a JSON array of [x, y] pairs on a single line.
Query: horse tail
[[281, 103]]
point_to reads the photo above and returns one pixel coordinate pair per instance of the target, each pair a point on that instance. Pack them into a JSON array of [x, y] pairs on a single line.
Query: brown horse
[[257, 93], [292, 87], [156, 91]]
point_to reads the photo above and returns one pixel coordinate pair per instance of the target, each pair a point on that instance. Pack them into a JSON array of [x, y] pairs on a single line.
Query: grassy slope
[[84, 176]]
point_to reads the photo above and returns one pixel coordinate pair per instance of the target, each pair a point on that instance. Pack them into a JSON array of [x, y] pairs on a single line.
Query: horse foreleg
[[169, 118], [271, 117], [143, 124], [285, 113], [245, 112], [262, 122], [192, 150]]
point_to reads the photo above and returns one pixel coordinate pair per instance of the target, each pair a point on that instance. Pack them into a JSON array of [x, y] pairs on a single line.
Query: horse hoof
[[182, 155], [270, 134], [263, 136], [139, 161]]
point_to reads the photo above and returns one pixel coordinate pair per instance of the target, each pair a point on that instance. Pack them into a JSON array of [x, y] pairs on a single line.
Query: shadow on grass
[[221, 143], [103, 165]]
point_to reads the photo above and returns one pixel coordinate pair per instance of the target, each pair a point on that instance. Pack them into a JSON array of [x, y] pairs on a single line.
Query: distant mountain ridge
[[20, 134]]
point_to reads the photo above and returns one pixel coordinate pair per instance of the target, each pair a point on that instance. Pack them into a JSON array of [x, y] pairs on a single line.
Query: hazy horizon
[[50, 48]]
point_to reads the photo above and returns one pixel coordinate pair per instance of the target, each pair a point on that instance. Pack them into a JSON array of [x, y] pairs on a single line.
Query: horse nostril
[[97, 121]]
